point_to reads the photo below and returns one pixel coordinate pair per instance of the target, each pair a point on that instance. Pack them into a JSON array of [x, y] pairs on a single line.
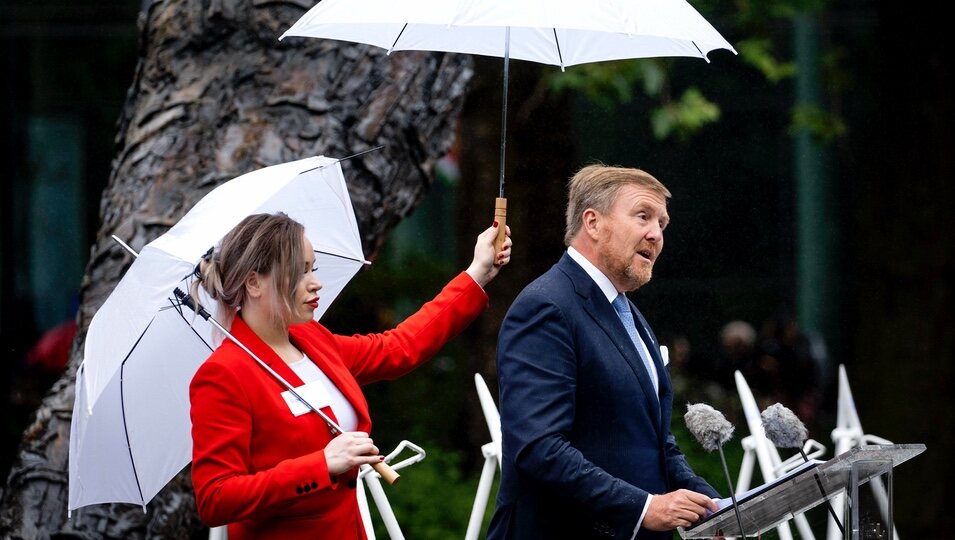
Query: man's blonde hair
[[596, 186]]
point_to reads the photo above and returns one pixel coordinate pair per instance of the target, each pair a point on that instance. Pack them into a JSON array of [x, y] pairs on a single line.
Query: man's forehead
[[637, 195]]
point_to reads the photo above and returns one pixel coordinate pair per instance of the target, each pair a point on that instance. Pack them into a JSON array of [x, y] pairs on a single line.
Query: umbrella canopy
[[130, 431], [558, 32]]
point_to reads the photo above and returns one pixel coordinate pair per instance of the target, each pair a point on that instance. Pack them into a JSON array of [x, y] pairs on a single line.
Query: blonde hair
[[267, 244], [596, 187]]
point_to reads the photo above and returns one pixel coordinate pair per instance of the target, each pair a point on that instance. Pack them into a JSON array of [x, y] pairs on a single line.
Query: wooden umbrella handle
[[500, 216], [388, 474]]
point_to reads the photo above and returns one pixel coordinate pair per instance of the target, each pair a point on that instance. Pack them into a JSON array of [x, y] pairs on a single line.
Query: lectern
[[769, 505]]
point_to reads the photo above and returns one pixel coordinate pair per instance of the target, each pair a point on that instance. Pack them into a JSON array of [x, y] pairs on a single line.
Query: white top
[[310, 373], [611, 292]]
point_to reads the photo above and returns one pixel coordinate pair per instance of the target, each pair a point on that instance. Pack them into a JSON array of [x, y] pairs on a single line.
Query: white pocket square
[[665, 354]]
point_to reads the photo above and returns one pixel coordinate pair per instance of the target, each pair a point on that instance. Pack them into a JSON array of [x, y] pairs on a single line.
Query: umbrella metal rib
[[122, 409], [397, 38], [340, 256], [560, 57], [339, 160], [122, 377]]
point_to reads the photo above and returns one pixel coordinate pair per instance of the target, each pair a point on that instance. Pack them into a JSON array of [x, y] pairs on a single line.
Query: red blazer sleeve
[[391, 354], [226, 490]]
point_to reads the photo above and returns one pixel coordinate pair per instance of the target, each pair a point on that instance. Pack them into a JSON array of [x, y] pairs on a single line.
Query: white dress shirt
[[611, 292]]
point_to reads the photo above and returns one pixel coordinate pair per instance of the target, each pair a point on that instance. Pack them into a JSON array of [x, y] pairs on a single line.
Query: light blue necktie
[[622, 306]]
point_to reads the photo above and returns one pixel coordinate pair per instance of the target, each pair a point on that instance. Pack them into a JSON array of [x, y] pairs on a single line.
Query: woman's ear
[[253, 285]]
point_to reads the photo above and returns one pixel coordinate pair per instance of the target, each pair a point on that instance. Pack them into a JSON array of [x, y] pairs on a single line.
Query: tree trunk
[[216, 95]]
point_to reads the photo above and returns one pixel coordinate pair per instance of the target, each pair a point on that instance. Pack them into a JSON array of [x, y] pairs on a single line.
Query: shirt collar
[[602, 281]]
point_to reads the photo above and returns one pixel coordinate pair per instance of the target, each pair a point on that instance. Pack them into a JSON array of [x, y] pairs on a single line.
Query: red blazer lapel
[[247, 337], [250, 339], [319, 352], [326, 358]]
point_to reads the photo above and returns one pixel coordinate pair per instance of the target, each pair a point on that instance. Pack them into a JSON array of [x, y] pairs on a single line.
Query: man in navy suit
[[585, 398]]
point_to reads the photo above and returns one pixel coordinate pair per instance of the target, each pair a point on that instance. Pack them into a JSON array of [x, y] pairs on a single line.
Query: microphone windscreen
[[708, 426], [783, 428]]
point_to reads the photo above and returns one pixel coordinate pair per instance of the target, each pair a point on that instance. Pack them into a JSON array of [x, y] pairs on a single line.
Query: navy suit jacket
[[584, 438]]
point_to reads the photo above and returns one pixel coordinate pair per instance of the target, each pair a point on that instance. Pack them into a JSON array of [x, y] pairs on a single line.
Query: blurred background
[[812, 225]]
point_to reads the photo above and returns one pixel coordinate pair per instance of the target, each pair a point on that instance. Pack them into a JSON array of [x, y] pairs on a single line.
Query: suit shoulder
[[551, 287]]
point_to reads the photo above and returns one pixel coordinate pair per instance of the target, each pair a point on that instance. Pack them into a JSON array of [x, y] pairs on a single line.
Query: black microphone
[[711, 429]]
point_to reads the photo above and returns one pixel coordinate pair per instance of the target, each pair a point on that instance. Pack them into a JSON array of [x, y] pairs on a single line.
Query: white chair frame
[[758, 449], [847, 435], [492, 459]]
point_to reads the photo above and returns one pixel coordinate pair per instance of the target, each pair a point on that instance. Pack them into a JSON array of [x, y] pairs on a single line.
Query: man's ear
[[591, 222]]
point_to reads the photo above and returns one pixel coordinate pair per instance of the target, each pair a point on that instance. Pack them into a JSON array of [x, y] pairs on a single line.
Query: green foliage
[[823, 125], [684, 117], [433, 500], [834, 70], [609, 84], [758, 52]]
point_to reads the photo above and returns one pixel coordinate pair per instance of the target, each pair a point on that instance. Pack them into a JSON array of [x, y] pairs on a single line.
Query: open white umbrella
[[558, 32], [130, 431]]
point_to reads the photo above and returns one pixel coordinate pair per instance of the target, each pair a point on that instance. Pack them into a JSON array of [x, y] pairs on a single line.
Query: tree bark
[[216, 95]]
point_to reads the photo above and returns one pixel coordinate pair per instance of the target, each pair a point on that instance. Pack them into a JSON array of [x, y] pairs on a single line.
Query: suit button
[[307, 488], [298, 489], [314, 485], [352, 484]]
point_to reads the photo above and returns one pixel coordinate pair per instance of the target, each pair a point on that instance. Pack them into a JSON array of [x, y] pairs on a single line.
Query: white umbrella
[[130, 431], [558, 32]]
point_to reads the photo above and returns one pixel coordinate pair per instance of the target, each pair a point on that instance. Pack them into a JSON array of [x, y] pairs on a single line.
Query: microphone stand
[[729, 482], [822, 490]]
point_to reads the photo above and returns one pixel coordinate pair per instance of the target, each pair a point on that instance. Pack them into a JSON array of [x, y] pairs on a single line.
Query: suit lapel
[[663, 376], [602, 312]]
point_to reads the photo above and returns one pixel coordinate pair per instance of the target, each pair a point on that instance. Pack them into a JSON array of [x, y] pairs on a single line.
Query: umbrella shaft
[[331, 423], [187, 300], [507, 64]]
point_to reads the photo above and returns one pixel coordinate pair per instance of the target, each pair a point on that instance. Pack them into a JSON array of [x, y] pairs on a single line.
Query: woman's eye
[[314, 269]]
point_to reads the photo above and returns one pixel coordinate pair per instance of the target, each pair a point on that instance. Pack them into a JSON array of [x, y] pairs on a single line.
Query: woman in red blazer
[[261, 464]]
